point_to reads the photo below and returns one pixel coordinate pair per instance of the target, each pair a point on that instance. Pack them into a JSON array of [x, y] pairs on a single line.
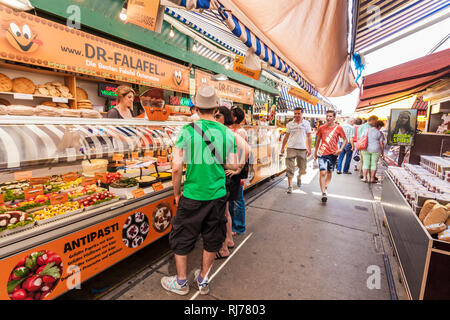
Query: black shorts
[[194, 217], [233, 187]]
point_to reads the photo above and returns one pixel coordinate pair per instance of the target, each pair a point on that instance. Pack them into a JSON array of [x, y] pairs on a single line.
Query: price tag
[[23, 96], [34, 192], [70, 176], [88, 181], [59, 198], [60, 100], [138, 193], [2, 200], [41, 180], [130, 162], [118, 157], [23, 175], [158, 186], [134, 155], [101, 177]]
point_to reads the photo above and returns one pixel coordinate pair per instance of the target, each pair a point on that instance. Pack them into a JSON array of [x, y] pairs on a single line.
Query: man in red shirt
[[327, 150]]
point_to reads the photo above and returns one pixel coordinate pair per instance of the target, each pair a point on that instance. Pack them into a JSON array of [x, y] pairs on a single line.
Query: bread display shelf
[[34, 96]]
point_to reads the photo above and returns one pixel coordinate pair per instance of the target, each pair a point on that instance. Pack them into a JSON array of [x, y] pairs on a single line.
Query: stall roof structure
[[404, 80], [383, 22]]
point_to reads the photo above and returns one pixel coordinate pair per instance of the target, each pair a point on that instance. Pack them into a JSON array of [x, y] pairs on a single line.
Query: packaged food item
[[18, 110], [439, 214], [86, 113], [3, 110], [74, 113], [427, 206], [94, 166], [436, 228], [45, 111]]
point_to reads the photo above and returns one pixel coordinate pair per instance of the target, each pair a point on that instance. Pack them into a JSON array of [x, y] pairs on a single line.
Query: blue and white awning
[[290, 103], [248, 38]]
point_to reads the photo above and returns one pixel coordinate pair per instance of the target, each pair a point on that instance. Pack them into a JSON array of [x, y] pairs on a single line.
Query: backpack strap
[[208, 142]]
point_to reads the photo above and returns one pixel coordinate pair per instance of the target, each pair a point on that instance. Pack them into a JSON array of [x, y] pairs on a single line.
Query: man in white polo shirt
[[299, 141]]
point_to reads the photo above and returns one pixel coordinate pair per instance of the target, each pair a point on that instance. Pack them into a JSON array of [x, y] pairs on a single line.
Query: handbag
[[244, 172], [356, 157], [362, 143]]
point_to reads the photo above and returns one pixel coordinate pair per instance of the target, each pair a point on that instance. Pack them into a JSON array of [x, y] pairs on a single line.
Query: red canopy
[[405, 79]]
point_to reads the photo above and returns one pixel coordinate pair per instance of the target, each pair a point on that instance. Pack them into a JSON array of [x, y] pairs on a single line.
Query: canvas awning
[[421, 106], [277, 31], [404, 80], [290, 103]]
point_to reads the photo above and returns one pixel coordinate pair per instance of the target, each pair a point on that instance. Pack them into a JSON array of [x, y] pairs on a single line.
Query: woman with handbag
[[375, 148]]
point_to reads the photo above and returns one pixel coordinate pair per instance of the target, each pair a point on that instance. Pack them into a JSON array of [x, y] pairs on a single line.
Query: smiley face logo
[[177, 77], [22, 39]]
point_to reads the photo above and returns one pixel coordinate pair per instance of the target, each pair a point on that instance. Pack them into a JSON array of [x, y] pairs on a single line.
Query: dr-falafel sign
[[33, 40]]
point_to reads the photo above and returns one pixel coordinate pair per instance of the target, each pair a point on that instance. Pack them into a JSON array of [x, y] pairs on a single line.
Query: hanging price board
[[70, 176]]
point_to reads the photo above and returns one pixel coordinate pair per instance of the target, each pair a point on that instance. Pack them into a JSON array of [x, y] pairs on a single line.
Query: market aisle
[[296, 248]]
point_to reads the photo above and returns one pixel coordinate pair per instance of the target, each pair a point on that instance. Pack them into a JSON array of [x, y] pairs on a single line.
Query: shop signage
[[226, 89], [107, 90], [402, 127], [143, 13], [37, 41], [303, 95], [239, 67], [179, 101], [85, 253]]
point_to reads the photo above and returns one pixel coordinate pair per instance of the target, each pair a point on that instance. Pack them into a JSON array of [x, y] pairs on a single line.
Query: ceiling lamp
[[194, 47], [123, 12], [171, 33], [22, 5]]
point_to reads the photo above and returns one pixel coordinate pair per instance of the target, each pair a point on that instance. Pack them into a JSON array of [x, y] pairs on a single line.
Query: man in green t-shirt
[[201, 206]]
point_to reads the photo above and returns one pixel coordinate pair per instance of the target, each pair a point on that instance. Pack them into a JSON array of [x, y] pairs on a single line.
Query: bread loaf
[[436, 228], [86, 113], [46, 111], [427, 206], [439, 214], [73, 113], [5, 83], [448, 221], [17, 110], [23, 85], [444, 235], [3, 109]]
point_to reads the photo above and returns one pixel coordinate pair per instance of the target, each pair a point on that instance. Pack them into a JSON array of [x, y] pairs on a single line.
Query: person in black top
[[123, 110]]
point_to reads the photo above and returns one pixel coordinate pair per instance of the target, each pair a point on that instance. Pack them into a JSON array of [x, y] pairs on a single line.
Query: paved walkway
[[295, 248]]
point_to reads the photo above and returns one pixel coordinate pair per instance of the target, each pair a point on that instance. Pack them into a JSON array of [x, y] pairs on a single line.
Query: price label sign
[[100, 177], [157, 186], [23, 96], [23, 175], [134, 155], [33, 192], [138, 193], [162, 159], [88, 181], [36, 181], [2, 200], [148, 154], [60, 100], [59, 198], [118, 157], [70, 176]]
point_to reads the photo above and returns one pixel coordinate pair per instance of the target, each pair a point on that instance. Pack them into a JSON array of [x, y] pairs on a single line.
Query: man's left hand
[[308, 152]]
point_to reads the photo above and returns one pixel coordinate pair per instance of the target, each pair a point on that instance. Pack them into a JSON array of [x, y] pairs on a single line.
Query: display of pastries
[[18, 110], [73, 113], [23, 85], [5, 83], [86, 113], [3, 109], [94, 166], [84, 104], [46, 111]]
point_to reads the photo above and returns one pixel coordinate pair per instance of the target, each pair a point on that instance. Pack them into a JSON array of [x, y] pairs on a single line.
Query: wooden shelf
[[35, 96]]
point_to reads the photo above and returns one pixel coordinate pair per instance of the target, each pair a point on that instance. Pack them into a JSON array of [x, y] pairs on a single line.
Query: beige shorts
[[291, 156]]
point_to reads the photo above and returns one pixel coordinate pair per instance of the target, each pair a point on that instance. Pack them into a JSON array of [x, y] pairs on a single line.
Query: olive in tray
[[124, 183]]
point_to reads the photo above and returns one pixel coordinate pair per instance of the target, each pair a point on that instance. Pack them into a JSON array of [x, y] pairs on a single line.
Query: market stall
[[80, 193]]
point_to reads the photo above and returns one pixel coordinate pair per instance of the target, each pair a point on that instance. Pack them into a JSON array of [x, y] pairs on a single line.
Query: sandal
[[230, 247], [220, 256], [364, 180]]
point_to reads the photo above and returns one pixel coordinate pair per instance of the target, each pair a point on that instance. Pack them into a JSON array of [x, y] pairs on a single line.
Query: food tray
[[122, 192], [61, 216], [102, 204], [18, 229]]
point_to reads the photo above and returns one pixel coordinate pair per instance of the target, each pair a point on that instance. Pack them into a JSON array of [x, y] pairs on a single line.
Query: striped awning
[[421, 106], [29, 144], [381, 21], [210, 26], [290, 103], [248, 38]]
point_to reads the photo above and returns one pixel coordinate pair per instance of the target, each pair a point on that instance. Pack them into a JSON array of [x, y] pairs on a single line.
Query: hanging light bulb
[[194, 47], [171, 33], [123, 14]]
